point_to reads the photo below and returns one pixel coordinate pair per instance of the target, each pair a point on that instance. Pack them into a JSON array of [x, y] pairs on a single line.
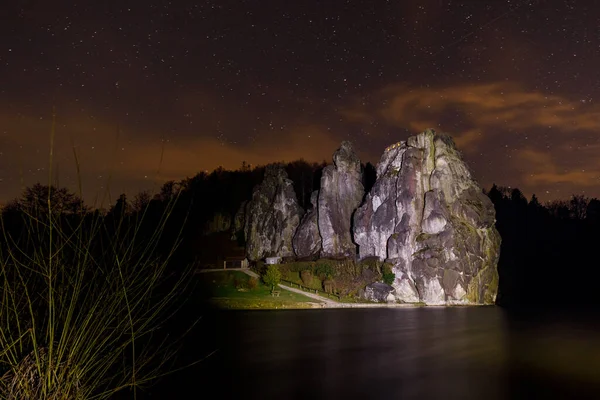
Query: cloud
[[130, 159], [497, 106], [187, 157], [544, 170]]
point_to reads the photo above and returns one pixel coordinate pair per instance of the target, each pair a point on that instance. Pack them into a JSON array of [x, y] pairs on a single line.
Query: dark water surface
[[419, 353]]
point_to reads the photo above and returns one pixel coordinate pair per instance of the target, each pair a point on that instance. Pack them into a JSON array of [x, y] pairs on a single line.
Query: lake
[[414, 353]]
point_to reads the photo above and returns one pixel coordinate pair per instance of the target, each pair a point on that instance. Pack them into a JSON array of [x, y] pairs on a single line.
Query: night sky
[[516, 83]]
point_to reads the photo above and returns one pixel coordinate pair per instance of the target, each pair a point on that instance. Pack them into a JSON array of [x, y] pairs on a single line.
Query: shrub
[[252, 283], [291, 276], [272, 276], [350, 268], [329, 286], [373, 263], [239, 283], [324, 270], [316, 283], [296, 266], [306, 277], [387, 275]]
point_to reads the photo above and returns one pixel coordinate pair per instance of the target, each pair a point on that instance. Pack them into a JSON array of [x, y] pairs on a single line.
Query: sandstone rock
[[307, 241], [272, 216], [379, 292], [430, 219], [239, 221], [219, 222], [341, 193]]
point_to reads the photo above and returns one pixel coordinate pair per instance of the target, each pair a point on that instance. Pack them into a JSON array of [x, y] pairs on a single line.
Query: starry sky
[[149, 91]]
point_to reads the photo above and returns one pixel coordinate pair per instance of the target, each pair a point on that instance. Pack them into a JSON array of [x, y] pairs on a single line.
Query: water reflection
[[421, 353]]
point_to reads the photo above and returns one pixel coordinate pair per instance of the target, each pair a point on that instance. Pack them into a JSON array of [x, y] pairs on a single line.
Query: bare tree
[[141, 201], [41, 198]]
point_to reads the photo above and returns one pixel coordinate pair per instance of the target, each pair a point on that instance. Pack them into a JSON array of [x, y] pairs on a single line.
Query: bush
[[324, 270], [272, 276], [329, 286], [296, 266], [373, 263], [350, 268], [252, 283], [306, 277], [291, 276], [387, 275], [239, 283]]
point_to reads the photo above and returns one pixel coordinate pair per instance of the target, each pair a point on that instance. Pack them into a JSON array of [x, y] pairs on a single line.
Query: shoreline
[[323, 306], [392, 305], [319, 303]]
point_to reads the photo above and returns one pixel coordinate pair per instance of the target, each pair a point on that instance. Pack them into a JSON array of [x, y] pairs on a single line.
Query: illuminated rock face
[[341, 193], [326, 230], [430, 219], [307, 241], [272, 216]]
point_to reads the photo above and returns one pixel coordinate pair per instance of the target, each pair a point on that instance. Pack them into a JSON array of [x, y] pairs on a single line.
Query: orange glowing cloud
[[544, 169], [486, 107], [130, 160]]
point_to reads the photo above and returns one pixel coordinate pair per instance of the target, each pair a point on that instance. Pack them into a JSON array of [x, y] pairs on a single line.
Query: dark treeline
[[189, 205], [547, 254]]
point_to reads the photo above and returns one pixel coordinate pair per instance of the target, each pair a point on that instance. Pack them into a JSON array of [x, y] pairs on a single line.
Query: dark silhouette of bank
[[548, 257]]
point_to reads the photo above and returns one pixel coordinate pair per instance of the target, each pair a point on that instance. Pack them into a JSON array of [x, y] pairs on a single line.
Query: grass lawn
[[233, 290]]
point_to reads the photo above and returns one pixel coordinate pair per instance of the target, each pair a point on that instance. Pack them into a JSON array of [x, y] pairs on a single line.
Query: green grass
[[230, 290]]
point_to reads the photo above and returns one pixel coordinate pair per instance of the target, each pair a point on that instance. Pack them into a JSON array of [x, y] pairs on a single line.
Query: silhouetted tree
[[559, 209], [141, 201], [121, 207], [534, 203], [593, 210], [543, 247], [168, 190], [578, 206], [302, 174], [35, 200], [495, 195]]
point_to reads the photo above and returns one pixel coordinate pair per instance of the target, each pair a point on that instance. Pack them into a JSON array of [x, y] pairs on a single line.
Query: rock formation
[[340, 194], [272, 216], [379, 292], [219, 222], [307, 241], [430, 219], [239, 220]]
